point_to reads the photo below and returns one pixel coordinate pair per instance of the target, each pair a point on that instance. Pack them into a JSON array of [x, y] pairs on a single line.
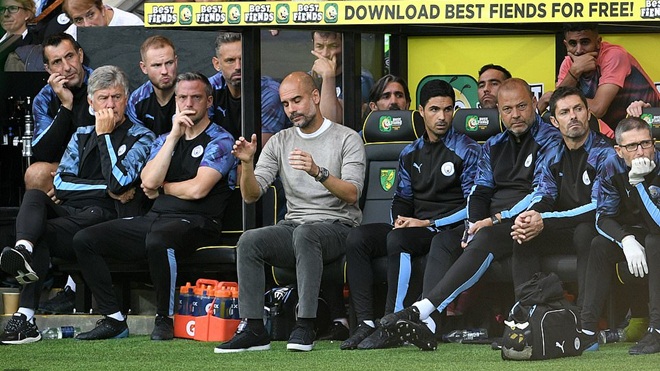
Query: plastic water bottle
[[460, 336], [63, 332], [233, 308], [611, 336], [186, 297]]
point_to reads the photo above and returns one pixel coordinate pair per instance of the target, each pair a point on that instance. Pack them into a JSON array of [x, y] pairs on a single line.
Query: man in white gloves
[[628, 221]]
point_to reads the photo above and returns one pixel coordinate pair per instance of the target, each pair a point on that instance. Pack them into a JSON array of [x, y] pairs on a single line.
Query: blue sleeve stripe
[[68, 186], [572, 212], [453, 218], [467, 212], [648, 203], [517, 208], [604, 234]]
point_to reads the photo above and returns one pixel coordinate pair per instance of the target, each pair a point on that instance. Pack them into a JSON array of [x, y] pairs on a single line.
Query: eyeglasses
[[12, 9], [632, 147]]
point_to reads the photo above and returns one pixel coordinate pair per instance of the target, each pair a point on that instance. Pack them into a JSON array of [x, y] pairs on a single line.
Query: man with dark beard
[[321, 165], [390, 93]]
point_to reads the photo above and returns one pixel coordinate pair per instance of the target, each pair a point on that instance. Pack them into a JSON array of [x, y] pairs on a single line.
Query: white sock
[[369, 323], [71, 283], [587, 332], [425, 308], [430, 323], [343, 321], [29, 313], [117, 315], [657, 330], [28, 245]]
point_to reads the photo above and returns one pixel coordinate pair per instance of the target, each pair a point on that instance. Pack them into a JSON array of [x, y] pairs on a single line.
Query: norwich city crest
[[387, 179]]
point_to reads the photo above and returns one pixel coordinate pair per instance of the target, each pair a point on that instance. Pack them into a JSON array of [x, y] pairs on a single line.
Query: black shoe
[[337, 332], [17, 262], [20, 331], [163, 328], [106, 328], [381, 338], [361, 332], [302, 339], [416, 333], [245, 340], [588, 343], [409, 314], [63, 303], [649, 344]]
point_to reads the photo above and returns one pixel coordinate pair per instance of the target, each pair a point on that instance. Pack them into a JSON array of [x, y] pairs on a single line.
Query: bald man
[[321, 165]]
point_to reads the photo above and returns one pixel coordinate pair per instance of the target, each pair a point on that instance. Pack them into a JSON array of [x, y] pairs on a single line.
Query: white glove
[[635, 256], [640, 167]]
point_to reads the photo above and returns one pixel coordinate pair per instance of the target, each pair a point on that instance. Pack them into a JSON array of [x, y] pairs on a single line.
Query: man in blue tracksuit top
[[152, 104], [436, 173], [509, 169], [561, 219], [97, 173], [629, 227], [59, 109]]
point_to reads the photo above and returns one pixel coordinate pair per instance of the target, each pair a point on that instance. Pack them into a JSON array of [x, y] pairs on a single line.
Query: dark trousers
[[600, 272], [161, 239], [489, 244], [445, 250], [554, 241], [368, 242], [50, 228]]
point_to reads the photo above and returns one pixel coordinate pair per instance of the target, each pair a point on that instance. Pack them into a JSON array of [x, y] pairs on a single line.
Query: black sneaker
[[17, 262], [416, 333], [409, 314], [649, 344], [381, 338], [163, 328], [361, 332], [588, 343], [245, 340], [302, 339], [20, 331], [106, 328], [63, 303], [337, 332]]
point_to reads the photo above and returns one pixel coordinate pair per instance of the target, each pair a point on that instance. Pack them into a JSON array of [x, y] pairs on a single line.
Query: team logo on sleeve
[[121, 150], [387, 179], [197, 151], [447, 169], [585, 178], [528, 160]]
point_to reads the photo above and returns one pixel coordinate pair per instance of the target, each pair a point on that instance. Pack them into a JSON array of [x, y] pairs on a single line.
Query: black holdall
[[281, 312], [542, 324]]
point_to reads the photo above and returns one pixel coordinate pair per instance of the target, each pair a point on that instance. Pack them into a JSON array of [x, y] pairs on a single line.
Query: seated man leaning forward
[[100, 161], [190, 174], [321, 165]]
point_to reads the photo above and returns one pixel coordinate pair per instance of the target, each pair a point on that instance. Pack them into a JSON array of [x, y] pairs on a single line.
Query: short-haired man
[[100, 161], [491, 76], [59, 109], [93, 13], [321, 165], [190, 174], [152, 104], [509, 169], [561, 218], [327, 48], [629, 184], [435, 176], [606, 74], [227, 91]]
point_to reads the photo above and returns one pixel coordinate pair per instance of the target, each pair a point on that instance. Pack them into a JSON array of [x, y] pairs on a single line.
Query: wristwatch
[[494, 220], [323, 175]]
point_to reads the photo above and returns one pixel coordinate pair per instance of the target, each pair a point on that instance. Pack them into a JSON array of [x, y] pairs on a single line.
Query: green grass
[[139, 353]]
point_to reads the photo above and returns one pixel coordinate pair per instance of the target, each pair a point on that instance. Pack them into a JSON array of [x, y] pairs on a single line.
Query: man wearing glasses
[[92, 13], [627, 221]]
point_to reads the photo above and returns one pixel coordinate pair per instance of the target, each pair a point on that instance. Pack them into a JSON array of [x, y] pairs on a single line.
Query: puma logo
[[560, 346], [418, 167]]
